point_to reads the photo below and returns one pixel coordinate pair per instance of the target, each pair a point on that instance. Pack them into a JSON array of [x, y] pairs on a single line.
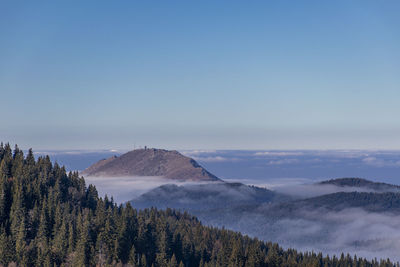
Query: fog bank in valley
[[124, 189], [350, 230]]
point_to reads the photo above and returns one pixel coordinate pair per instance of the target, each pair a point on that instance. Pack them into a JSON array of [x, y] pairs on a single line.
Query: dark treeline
[[48, 217]]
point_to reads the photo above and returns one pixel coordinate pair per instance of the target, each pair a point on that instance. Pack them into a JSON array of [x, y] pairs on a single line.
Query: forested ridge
[[362, 183], [48, 217]]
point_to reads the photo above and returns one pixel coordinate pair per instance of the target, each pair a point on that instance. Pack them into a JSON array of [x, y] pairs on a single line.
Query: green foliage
[[50, 218]]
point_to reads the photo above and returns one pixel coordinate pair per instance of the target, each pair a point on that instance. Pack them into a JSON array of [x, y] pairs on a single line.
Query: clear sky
[[200, 74]]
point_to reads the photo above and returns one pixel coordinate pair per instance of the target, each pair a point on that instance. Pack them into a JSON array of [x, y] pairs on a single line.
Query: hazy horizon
[[212, 75], [268, 167]]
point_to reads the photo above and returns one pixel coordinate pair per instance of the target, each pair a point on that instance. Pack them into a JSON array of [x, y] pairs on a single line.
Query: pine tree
[[237, 258], [59, 244], [143, 261], [71, 238], [3, 188], [6, 249], [173, 262], [132, 257], [17, 210], [20, 244], [83, 246]]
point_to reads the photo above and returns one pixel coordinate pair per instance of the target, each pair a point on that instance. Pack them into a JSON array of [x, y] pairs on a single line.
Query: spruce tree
[[133, 256], [173, 262]]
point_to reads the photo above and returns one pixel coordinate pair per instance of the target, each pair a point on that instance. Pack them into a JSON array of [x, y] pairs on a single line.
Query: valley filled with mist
[[286, 197]]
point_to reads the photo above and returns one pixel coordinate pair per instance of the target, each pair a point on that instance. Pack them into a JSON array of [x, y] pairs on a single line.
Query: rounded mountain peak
[[169, 164]]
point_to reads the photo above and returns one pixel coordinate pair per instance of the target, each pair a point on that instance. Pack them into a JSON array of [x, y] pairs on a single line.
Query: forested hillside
[[387, 202], [206, 196], [362, 183], [50, 218]]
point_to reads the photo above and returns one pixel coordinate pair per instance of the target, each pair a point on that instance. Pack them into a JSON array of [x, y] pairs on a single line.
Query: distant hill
[[270, 215], [210, 200], [205, 196], [152, 162], [387, 202], [362, 183], [216, 204]]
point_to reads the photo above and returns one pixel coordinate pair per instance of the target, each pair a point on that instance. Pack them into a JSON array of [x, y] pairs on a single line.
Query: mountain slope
[[151, 162]]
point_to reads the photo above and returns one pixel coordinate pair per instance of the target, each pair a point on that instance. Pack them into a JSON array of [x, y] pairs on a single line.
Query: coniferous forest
[[48, 217]]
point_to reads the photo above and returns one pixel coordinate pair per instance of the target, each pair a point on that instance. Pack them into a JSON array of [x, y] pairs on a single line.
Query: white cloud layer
[[278, 153], [124, 189]]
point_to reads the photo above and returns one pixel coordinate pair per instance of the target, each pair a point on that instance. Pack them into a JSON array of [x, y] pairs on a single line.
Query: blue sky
[[209, 74]]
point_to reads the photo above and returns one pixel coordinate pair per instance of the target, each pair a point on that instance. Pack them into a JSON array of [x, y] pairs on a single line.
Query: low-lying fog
[[124, 189], [352, 230]]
